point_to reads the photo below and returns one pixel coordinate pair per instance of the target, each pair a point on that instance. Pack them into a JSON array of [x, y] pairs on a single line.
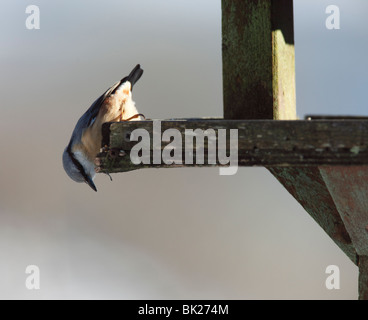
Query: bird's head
[[78, 167]]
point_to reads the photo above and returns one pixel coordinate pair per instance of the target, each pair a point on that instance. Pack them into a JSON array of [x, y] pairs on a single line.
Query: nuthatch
[[115, 104]]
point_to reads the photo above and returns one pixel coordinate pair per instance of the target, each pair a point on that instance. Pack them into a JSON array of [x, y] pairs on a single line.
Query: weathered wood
[[259, 83], [348, 186], [258, 59], [363, 278], [260, 142], [307, 186]]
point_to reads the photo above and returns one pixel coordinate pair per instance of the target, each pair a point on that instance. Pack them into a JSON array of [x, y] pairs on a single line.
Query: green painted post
[[258, 59]]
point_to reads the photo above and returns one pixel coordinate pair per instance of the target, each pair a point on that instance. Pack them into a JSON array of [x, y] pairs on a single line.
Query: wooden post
[[259, 83], [258, 59], [363, 278]]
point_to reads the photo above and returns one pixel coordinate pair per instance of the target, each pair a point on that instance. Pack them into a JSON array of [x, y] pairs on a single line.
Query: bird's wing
[[90, 115], [92, 112]]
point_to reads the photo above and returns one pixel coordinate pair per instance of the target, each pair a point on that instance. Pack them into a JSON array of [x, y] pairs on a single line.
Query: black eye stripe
[[77, 164]]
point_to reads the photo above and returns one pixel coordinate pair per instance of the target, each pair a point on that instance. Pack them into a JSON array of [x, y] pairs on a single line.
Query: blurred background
[[158, 234]]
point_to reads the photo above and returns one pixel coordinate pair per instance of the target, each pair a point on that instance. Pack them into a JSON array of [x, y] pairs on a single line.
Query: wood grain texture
[[260, 142], [258, 59], [348, 186], [363, 278]]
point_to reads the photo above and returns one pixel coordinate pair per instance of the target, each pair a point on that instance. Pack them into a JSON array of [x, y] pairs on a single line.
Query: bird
[[116, 104]]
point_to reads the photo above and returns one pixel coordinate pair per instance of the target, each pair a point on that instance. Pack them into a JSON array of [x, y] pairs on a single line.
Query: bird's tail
[[134, 76]]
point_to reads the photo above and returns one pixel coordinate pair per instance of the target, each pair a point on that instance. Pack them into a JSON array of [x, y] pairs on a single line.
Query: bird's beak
[[89, 181]]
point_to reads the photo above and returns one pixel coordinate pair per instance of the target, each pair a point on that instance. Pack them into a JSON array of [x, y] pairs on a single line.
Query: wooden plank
[[328, 138], [260, 142], [258, 59]]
